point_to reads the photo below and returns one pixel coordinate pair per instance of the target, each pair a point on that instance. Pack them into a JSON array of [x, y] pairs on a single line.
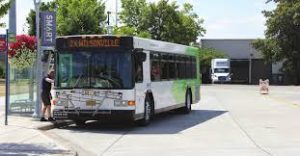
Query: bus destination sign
[[93, 43]]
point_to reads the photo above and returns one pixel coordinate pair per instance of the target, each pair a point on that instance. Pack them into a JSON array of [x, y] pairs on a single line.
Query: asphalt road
[[229, 120]]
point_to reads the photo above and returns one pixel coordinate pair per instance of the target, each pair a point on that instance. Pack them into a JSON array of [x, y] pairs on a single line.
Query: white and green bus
[[119, 77]]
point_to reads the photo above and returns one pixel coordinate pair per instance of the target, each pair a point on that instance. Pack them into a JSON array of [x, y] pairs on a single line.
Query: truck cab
[[220, 70]]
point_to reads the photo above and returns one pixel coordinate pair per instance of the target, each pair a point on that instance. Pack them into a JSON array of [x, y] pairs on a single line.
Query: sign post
[[3, 45], [37, 109], [10, 37], [46, 38]]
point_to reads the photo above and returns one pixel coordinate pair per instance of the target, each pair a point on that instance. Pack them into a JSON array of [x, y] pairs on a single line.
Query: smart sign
[[48, 28]]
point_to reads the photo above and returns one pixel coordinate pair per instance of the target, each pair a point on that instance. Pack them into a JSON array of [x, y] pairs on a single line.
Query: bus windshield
[[105, 69]]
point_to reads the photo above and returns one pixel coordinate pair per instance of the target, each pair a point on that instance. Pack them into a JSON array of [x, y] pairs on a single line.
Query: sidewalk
[[24, 136]]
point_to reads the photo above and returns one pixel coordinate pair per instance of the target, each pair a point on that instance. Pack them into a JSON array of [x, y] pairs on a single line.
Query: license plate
[[60, 115], [222, 78], [90, 103]]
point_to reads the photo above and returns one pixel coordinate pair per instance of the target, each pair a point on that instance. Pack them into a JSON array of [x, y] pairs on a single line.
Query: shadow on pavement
[[166, 123], [28, 149]]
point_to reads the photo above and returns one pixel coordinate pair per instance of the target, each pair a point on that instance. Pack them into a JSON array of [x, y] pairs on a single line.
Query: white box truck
[[220, 70]]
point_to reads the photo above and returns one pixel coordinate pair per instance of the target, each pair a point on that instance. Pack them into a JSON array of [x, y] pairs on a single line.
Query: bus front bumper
[[127, 115]]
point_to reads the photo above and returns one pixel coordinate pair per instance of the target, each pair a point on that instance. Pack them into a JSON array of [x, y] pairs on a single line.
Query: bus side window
[[138, 70], [164, 67], [155, 67], [172, 67]]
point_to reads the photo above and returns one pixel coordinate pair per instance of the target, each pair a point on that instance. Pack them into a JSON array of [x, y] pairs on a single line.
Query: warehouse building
[[247, 64]]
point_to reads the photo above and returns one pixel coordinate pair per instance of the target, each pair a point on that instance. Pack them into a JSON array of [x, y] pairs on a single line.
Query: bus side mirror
[[45, 55], [140, 55]]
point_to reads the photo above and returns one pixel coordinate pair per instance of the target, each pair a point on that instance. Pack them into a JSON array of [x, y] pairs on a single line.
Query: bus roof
[[90, 36], [162, 46], [146, 44]]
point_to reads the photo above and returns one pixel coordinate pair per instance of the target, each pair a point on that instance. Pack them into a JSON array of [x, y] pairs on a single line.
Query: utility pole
[[250, 64], [109, 28], [116, 13], [12, 17], [37, 109]]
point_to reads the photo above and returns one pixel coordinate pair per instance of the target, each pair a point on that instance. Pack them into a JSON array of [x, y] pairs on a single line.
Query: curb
[[55, 124]]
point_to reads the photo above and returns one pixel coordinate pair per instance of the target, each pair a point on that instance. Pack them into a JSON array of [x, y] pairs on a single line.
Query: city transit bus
[[119, 77]]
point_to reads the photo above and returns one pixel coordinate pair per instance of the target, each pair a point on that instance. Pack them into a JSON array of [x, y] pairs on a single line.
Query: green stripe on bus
[[192, 51], [179, 89]]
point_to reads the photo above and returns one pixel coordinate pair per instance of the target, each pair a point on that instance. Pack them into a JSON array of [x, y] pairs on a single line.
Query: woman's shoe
[[43, 119], [50, 119]]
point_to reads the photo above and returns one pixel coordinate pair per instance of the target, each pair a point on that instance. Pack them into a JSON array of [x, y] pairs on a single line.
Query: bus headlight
[[123, 103], [120, 103]]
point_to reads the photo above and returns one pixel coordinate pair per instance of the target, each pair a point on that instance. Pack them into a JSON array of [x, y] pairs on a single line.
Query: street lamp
[[109, 28]]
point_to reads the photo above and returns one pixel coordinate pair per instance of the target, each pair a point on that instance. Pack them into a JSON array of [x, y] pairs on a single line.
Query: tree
[[49, 6], [23, 52], [80, 17], [207, 54], [162, 20], [283, 37], [133, 14], [73, 16], [131, 31], [205, 57], [190, 27], [23, 55], [4, 6]]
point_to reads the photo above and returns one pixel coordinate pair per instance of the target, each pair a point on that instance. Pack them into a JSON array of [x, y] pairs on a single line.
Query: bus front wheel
[[147, 113], [79, 122]]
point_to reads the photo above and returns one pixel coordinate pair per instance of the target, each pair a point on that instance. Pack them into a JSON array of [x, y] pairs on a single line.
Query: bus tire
[[148, 111], [79, 123], [188, 102]]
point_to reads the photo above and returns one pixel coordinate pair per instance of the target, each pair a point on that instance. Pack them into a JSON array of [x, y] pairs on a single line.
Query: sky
[[226, 19]]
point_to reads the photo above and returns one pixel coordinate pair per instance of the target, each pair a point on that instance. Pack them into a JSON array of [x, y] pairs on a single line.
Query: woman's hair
[[51, 73]]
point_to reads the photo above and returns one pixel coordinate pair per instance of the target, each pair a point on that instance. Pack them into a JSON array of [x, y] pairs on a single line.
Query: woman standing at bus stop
[[46, 95]]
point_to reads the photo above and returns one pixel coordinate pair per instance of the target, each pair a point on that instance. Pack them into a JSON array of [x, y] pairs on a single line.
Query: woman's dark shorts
[[46, 98]]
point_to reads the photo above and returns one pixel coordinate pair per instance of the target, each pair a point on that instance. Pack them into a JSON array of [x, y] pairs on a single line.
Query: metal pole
[[7, 80], [37, 109], [116, 13], [12, 17], [250, 69], [250, 64], [12, 29], [109, 28]]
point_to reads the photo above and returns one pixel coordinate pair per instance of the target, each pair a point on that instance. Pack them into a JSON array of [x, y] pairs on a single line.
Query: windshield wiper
[[110, 80], [77, 81]]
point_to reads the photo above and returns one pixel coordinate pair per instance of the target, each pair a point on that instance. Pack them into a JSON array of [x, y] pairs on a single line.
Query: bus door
[[141, 79]]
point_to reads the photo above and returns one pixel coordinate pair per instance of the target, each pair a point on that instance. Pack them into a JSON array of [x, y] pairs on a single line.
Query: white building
[[247, 64]]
